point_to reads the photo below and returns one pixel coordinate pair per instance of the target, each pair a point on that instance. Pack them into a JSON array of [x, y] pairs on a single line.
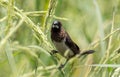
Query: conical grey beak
[[55, 26]]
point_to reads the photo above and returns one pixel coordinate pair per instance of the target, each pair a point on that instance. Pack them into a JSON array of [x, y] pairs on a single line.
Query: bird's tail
[[87, 52]]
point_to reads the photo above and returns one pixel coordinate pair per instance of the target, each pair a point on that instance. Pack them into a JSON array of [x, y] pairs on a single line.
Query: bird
[[63, 43]]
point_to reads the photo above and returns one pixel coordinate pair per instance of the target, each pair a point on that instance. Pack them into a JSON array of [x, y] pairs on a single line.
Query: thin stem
[[50, 11], [100, 28], [3, 41]]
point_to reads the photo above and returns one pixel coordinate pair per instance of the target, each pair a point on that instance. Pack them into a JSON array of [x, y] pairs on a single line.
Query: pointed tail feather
[[88, 52]]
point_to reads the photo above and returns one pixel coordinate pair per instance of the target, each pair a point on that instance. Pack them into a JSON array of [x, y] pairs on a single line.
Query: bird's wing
[[71, 44]]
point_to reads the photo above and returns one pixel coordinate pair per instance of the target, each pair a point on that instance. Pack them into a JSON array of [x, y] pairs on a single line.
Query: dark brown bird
[[63, 43]]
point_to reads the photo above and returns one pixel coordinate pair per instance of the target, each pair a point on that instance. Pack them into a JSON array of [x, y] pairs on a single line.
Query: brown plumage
[[60, 36], [63, 42]]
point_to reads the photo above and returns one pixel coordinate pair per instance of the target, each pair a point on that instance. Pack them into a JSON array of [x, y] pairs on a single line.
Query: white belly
[[62, 48]]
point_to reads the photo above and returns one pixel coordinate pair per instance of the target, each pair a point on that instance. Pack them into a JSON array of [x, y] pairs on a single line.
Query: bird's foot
[[54, 51], [61, 66]]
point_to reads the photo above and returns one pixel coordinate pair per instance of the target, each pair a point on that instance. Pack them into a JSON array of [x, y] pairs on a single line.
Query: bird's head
[[56, 26]]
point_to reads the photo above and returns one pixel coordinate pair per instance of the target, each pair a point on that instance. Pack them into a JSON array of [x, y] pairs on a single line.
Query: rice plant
[[25, 44]]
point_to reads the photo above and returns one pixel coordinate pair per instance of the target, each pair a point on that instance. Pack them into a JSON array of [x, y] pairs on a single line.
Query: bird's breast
[[62, 48]]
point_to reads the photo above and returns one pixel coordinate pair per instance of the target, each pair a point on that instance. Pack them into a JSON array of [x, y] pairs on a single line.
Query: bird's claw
[[61, 66], [54, 52]]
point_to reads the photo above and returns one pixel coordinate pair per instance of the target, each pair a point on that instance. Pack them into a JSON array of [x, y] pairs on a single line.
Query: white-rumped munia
[[64, 43]]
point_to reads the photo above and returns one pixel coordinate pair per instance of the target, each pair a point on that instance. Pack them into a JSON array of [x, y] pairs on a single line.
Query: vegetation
[[25, 43]]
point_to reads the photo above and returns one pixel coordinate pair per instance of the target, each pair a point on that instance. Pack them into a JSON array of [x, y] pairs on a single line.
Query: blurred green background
[[25, 37]]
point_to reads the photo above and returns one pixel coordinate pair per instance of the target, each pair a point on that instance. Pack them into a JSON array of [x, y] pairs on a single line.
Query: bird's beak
[[55, 26]]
